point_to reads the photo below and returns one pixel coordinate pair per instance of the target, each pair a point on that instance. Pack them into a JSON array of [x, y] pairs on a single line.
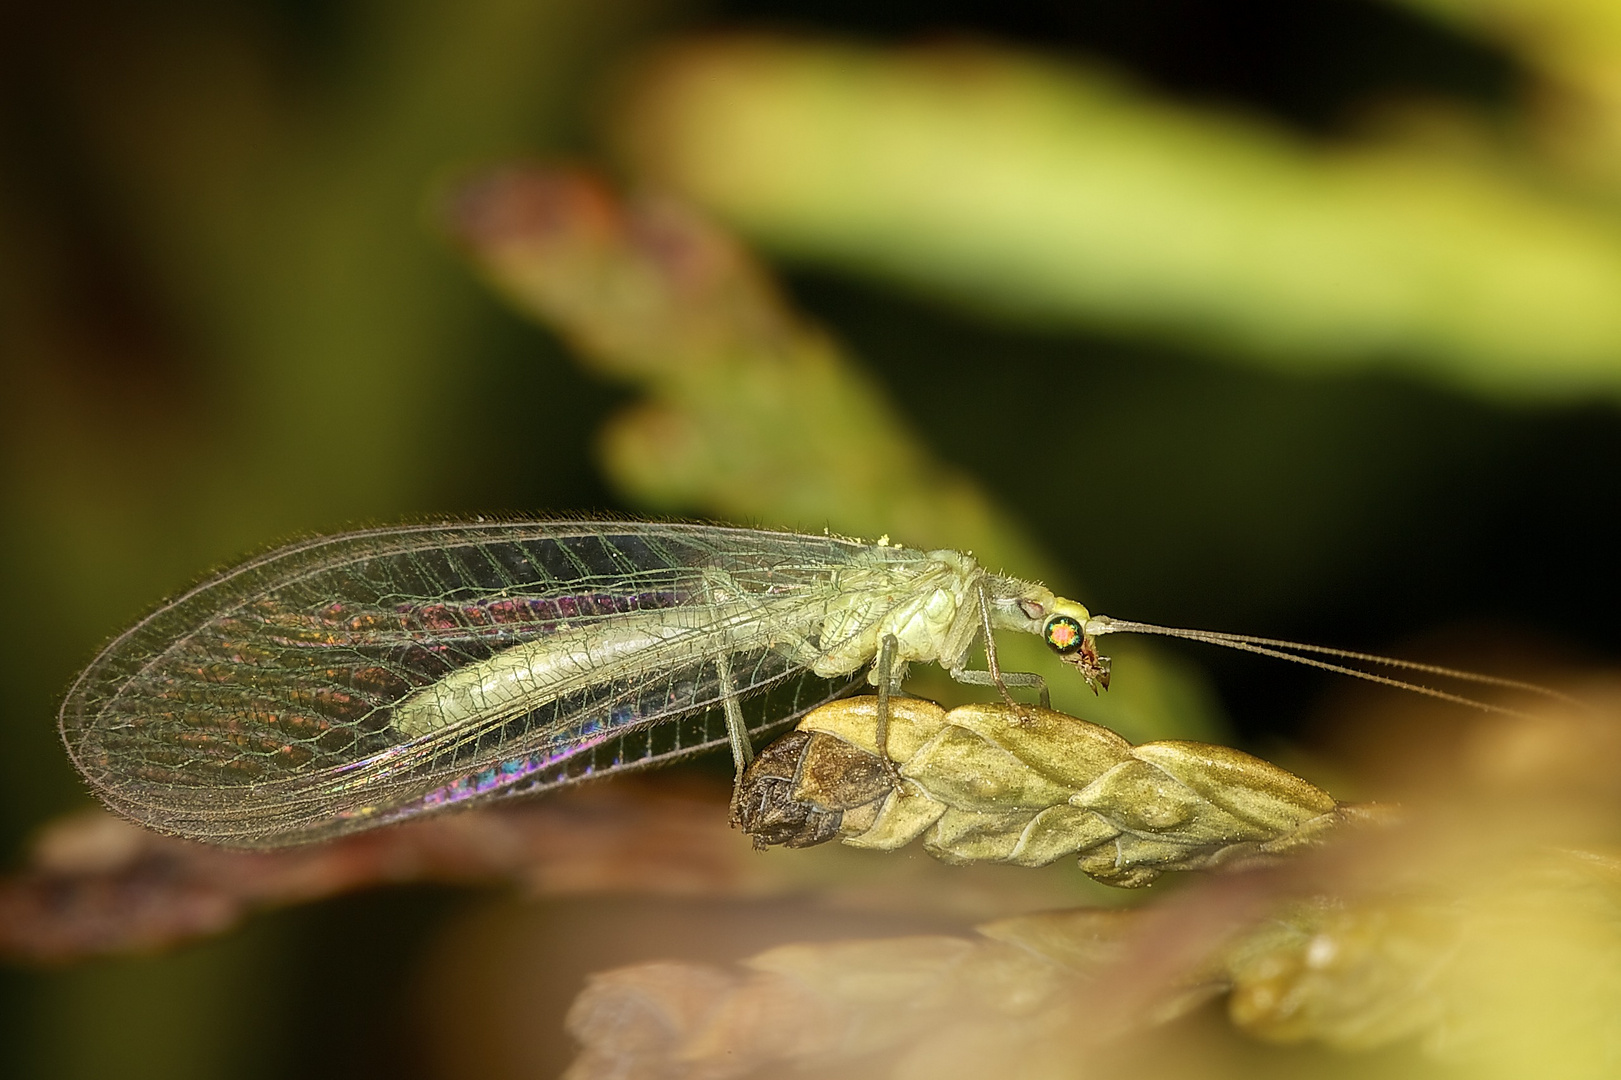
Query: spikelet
[[1023, 785]]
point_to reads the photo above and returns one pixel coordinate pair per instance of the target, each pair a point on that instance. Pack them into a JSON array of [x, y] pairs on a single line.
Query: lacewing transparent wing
[[302, 694], [353, 680]]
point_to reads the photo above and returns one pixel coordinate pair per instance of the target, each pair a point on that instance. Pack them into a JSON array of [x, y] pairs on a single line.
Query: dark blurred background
[[226, 317]]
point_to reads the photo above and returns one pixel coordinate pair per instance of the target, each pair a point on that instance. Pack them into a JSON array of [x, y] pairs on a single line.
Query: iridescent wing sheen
[[254, 710]]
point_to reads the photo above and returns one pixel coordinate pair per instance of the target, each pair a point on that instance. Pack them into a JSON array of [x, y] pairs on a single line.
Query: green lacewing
[[346, 681]]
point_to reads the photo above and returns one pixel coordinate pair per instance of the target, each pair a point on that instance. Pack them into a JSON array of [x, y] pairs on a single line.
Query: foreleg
[[994, 675]]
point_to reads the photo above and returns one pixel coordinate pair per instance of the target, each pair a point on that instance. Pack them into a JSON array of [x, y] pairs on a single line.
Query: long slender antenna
[[1290, 650]]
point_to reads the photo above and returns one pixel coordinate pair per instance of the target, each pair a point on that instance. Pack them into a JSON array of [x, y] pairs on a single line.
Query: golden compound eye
[[1063, 634]]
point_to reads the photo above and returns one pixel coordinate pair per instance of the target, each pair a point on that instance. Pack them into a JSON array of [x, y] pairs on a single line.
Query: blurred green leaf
[[1061, 195], [1574, 46]]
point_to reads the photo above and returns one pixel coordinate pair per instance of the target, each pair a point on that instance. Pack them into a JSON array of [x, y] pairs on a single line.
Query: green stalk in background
[[755, 416], [1574, 48], [1061, 196]]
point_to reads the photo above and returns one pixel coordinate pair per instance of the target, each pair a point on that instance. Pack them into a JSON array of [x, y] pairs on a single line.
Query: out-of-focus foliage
[[291, 351], [1509, 977], [1065, 195], [1575, 45], [223, 319], [97, 886]]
